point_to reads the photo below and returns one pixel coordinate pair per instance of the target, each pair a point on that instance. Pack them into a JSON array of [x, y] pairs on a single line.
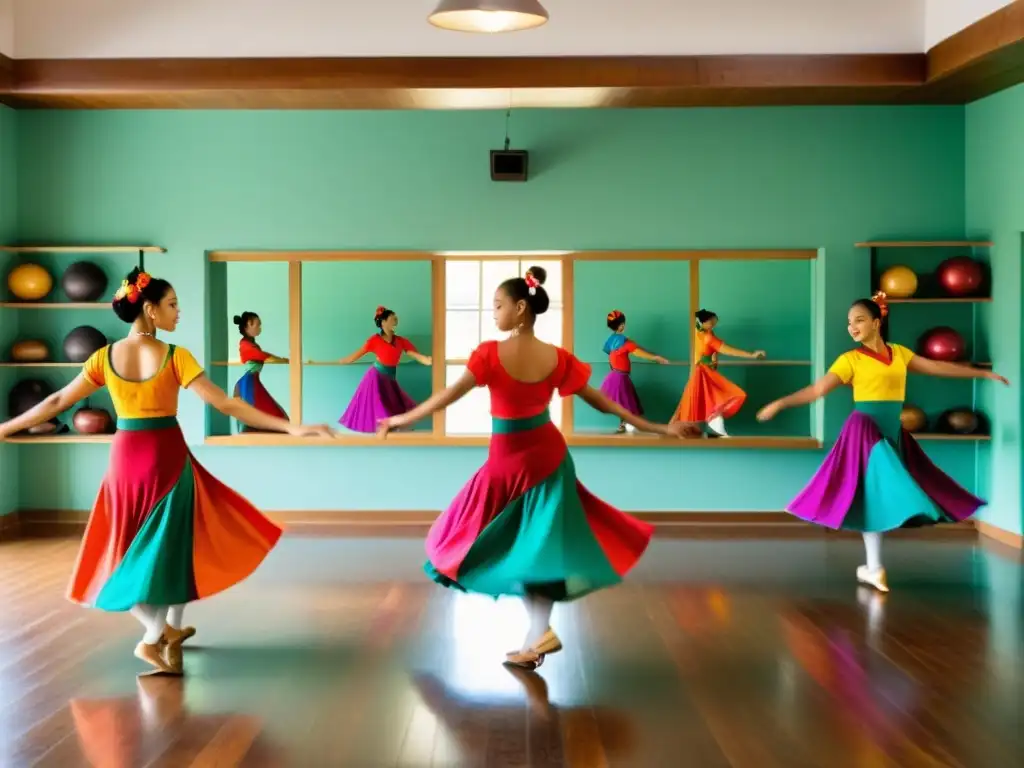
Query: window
[[469, 298]]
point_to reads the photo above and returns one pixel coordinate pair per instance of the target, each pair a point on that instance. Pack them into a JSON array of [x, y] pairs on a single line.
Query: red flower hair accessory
[[614, 315], [531, 282], [133, 291], [881, 299], [380, 311]]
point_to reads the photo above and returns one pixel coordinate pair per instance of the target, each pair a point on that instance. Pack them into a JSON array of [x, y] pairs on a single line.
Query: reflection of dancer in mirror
[[709, 395], [876, 477], [618, 385], [379, 394], [163, 531], [524, 525], [249, 388]]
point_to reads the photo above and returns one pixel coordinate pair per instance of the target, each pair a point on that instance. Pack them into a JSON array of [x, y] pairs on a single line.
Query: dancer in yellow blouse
[[163, 531]]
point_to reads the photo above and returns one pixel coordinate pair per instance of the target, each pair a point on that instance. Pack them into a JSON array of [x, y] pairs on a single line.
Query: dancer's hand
[[760, 354], [996, 377], [683, 429], [392, 422], [769, 412], [312, 430], [661, 360]]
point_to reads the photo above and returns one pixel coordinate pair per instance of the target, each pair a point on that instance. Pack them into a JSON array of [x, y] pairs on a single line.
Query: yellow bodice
[[152, 397], [874, 379]]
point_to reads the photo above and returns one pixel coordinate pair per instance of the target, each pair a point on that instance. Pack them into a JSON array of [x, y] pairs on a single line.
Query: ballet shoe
[[533, 657], [876, 579], [151, 655]]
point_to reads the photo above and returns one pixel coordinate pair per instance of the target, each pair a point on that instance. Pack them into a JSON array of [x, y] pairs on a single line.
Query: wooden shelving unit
[[930, 300], [59, 439], [55, 304]]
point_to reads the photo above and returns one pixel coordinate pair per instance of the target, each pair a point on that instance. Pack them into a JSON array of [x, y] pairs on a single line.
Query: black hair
[[704, 315], [243, 320], [154, 293], [382, 314], [874, 309], [616, 319], [518, 290]]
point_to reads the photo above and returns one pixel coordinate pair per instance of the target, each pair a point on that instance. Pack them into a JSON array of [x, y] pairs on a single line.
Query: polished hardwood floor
[[716, 653]]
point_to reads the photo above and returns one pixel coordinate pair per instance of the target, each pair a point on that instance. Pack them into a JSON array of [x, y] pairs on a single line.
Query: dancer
[[618, 385], [524, 525], [249, 388], [876, 478], [163, 532], [709, 396], [379, 394]]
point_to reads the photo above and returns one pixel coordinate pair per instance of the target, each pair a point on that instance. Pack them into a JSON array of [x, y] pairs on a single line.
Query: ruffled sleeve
[[481, 362], [93, 368], [574, 374], [186, 368]]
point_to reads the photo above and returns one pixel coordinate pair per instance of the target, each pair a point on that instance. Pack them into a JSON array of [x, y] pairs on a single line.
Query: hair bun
[[539, 273], [237, 319]]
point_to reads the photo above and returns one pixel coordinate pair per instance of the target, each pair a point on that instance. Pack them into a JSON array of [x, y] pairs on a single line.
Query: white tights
[[154, 617], [539, 610], [873, 549]]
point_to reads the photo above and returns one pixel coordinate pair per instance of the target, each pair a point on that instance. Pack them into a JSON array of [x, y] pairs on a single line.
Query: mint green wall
[[995, 208], [701, 178], [9, 464]]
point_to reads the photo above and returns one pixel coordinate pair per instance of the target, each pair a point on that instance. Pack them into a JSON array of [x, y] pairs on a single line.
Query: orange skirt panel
[[706, 392]]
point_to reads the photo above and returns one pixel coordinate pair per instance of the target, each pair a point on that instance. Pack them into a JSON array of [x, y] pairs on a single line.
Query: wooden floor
[[716, 653]]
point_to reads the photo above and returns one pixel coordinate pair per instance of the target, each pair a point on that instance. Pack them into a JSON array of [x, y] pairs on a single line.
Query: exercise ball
[[30, 351], [942, 343], [960, 276], [29, 282], [959, 421], [898, 282], [913, 418], [25, 395], [82, 342], [92, 421], [84, 281]]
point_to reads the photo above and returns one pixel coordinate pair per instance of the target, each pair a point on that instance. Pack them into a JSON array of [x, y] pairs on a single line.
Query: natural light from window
[[469, 302]]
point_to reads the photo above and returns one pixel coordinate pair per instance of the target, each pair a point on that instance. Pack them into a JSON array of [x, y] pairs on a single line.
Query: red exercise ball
[[960, 276], [942, 343]]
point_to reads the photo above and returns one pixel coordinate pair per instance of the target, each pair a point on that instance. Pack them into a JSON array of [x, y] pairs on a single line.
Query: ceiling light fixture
[[488, 15]]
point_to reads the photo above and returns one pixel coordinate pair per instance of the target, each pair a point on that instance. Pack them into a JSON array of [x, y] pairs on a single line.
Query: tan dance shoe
[[533, 657]]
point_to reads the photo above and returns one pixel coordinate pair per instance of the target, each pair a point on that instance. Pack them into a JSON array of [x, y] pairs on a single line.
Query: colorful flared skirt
[[877, 478], [618, 386], [250, 389], [377, 397], [708, 393], [525, 525], [163, 530]]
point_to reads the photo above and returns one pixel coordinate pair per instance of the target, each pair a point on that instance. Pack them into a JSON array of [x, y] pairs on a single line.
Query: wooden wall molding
[[1008, 538], [985, 57], [37, 523]]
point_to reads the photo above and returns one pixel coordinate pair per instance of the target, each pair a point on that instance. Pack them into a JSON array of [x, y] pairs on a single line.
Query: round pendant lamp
[[488, 16]]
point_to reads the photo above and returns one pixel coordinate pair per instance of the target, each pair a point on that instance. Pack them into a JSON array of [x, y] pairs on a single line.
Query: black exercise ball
[[82, 342], [84, 281], [25, 395]]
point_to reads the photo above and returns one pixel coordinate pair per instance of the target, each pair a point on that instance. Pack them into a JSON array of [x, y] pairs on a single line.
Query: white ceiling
[[228, 28]]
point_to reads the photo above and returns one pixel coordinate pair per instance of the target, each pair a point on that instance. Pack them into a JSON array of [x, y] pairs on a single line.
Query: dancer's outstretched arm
[[644, 354], [725, 349], [808, 394], [51, 406], [213, 395], [602, 403], [419, 357], [434, 403], [946, 370]]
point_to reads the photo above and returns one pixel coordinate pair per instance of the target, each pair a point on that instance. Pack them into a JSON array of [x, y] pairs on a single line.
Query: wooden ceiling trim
[[999, 30]]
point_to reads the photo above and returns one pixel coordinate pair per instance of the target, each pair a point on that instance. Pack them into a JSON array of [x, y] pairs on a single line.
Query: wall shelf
[[944, 300], [58, 439], [133, 249], [925, 244], [55, 304], [952, 438], [41, 365]]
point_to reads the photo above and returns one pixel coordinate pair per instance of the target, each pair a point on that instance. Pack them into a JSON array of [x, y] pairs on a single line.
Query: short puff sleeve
[[481, 362], [185, 366], [93, 369], [404, 345], [902, 353], [249, 351], [574, 374], [843, 368], [630, 346], [712, 343]]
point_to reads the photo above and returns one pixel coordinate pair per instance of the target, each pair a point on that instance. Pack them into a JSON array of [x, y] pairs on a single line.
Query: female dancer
[[524, 525], [618, 385], [249, 388], [876, 477], [709, 396], [379, 395], [163, 532]]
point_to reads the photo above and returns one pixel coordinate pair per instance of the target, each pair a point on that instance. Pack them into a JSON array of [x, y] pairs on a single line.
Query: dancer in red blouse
[[379, 394], [249, 388], [524, 525]]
